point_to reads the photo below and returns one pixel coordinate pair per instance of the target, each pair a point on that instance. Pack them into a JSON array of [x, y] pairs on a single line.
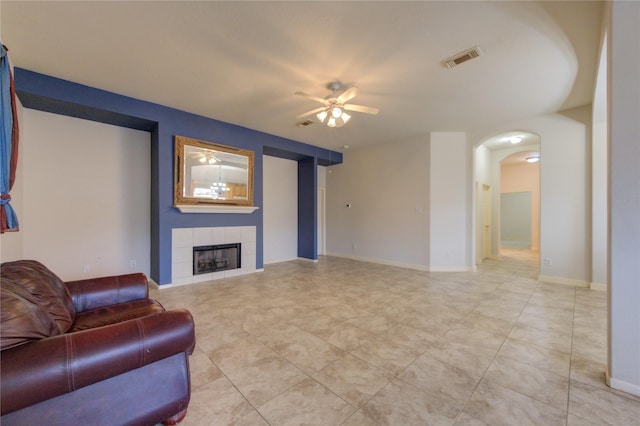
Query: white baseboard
[[380, 261], [452, 269], [239, 273], [403, 265], [598, 286], [563, 281], [271, 262], [621, 385]]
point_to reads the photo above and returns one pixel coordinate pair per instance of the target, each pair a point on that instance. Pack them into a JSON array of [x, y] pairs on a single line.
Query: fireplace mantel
[[201, 208]]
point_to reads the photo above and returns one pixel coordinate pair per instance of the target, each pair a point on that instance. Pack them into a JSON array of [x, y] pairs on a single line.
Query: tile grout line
[[498, 351], [573, 324]]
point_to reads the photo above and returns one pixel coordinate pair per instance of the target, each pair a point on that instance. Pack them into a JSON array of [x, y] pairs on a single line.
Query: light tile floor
[[341, 342]]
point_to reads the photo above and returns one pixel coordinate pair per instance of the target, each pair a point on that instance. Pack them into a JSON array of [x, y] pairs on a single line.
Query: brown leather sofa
[[91, 352]]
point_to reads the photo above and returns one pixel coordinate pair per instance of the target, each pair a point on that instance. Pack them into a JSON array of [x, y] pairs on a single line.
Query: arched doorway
[[513, 151]]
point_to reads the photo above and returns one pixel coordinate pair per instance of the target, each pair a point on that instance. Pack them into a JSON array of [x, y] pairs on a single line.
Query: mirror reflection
[[212, 173]]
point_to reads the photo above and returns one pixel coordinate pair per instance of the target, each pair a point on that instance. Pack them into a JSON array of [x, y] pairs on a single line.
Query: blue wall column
[[307, 208], [155, 206]]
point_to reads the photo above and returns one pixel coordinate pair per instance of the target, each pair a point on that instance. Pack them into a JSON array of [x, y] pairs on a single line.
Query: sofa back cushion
[[35, 303]]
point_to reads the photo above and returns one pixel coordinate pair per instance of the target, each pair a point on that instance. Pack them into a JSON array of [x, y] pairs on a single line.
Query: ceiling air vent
[[461, 57]]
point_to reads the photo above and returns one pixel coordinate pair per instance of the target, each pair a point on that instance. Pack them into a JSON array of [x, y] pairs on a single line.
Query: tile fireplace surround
[[183, 240]]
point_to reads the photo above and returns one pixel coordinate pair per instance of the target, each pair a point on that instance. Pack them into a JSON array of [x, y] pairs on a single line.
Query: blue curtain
[[8, 144]]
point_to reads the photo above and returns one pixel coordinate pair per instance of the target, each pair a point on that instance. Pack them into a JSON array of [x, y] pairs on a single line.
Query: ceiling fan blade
[[313, 98], [348, 94], [313, 111], [362, 108]]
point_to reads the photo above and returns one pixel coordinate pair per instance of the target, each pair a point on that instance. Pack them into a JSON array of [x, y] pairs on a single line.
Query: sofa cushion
[[115, 313], [35, 303], [22, 320]]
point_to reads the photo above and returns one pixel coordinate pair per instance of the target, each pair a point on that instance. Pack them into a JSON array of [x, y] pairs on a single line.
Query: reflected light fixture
[[208, 160]]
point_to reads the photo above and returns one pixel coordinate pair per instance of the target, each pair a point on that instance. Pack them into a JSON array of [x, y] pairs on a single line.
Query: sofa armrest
[[104, 291], [43, 369]]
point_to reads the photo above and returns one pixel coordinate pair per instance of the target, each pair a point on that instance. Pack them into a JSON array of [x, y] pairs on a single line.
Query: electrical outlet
[[132, 263], [547, 261]]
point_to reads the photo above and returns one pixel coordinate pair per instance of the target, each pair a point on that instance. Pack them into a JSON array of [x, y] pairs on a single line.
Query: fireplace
[[183, 240], [216, 258]]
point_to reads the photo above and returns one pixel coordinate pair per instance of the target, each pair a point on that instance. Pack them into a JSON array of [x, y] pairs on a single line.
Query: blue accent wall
[[50, 94], [308, 208]]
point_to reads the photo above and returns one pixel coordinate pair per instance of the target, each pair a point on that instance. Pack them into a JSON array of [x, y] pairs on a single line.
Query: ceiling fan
[[333, 110]]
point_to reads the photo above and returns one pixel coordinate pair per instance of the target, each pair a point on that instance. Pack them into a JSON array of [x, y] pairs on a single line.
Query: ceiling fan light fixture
[[332, 113], [322, 115]]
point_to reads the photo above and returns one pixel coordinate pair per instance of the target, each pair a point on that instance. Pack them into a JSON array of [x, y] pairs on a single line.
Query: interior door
[[322, 222], [486, 221]]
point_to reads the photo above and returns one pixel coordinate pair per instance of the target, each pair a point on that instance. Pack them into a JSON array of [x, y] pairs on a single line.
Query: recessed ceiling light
[[516, 139]]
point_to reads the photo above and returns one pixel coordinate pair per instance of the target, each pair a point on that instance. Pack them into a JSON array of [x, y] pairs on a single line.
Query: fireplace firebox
[[216, 258]]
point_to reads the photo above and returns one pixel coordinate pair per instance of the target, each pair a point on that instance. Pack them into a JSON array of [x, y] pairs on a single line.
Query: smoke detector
[[461, 57]]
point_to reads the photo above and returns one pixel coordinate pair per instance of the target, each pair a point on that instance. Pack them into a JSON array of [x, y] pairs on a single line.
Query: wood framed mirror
[[210, 173]]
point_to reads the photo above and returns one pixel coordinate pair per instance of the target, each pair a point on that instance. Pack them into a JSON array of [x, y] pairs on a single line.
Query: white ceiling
[[241, 62]]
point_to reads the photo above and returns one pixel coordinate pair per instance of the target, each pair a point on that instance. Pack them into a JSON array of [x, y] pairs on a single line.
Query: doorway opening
[[507, 176]]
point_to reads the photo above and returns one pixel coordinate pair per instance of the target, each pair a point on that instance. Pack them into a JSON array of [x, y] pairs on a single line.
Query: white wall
[[483, 165], [322, 177], [387, 188], [448, 196], [85, 196], [280, 204], [624, 197], [482, 173], [599, 178], [565, 231]]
